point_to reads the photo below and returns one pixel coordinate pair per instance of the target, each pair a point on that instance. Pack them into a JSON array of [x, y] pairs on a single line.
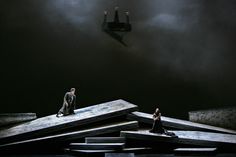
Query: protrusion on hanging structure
[[116, 18], [105, 16], [127, 17]]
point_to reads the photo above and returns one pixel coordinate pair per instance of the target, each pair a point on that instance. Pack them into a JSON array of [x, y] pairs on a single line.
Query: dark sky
[[180, 55]]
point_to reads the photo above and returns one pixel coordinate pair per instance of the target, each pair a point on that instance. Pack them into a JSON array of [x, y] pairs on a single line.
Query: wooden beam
[[177, 123], [49, 124]]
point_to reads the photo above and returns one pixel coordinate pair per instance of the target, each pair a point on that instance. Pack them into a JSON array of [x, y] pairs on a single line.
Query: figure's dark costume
[[68, 104], [157, 126]]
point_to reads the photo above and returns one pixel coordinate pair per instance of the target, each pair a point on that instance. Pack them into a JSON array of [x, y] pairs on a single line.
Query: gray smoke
[[185, 37]]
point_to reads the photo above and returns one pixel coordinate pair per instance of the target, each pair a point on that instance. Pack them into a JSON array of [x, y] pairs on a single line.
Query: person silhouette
[[157, 126], [69, 103]]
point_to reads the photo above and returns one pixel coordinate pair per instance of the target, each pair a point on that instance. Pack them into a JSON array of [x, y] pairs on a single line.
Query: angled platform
[[104, 140], [42, 126], [66, 137], [97, 146], [177, 123], [197, 138], [14, 118]]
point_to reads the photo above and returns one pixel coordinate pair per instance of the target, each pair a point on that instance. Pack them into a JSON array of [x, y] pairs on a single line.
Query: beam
[[49, 124], [177, 123]]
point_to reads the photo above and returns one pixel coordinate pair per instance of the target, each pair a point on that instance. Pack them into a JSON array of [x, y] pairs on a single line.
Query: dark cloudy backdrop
[[180, 54]]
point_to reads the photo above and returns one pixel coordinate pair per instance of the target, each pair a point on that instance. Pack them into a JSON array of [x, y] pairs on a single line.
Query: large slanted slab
[[197, 138], [13, 118], [177, 123], [66, 137], [42, 126]]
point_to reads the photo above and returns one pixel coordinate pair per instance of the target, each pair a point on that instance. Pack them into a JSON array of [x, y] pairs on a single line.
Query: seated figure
[[157, 125]]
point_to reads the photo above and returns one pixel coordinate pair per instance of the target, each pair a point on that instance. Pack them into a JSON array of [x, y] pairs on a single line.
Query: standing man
[[69, 103]]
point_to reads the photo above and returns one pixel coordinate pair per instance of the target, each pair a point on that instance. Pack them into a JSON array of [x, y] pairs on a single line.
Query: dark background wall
[[180, 55]]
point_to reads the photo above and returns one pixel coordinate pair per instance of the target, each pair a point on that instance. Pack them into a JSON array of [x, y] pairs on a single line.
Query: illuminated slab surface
[[177, 123], [13, 118], [185, 137], [104, 140], [44, 125], [110, 128]]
